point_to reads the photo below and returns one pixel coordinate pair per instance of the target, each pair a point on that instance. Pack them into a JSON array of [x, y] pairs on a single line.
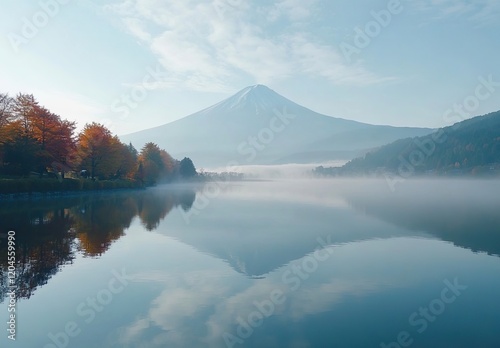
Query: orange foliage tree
[[155, 164], [97, 150]]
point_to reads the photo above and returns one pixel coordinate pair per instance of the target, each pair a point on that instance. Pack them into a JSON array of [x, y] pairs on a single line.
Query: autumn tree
[[169, 165], [6, 105], [20, 154], [33, 138], [6, 108], [55, 138], [152, 164], [20, 148], [156, 164], [44, 124], [24, 109], [128, 165], [62, 146], [98, 150]]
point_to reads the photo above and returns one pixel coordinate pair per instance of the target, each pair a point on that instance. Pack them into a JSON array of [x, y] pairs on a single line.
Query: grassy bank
[[36, 185]]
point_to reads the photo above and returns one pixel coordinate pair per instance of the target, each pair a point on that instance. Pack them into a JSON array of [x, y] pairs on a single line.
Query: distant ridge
[[468, 147], [259, 126]]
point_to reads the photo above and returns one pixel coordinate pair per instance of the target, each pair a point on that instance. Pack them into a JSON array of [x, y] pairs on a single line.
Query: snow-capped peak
[[258, 97]]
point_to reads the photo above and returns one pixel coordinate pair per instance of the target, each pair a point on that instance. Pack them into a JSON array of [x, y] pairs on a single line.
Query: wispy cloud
[[489, 13], [482, 12], [136, 28], [199, 302], [294, 10], [322, 60], [203, 45]]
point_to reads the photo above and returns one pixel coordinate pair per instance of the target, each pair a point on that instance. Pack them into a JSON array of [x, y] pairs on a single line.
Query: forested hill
[[467, 147]]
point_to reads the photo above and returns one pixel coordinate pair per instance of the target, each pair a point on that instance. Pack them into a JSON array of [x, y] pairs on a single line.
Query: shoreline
[[57, 194], [33, 188], [85, 188]]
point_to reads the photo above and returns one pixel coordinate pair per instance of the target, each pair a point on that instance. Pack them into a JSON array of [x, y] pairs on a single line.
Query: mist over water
[[351, 258], [276, 171], [451, 209]]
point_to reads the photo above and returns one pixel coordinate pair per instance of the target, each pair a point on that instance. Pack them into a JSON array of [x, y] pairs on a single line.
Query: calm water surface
[[324, 263]]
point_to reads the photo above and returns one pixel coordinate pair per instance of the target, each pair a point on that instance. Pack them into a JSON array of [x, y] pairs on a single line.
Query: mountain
[[259, 126], [468, 147]]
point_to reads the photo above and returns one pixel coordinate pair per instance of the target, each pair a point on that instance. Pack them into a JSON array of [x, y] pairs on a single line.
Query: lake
[[283, 263]]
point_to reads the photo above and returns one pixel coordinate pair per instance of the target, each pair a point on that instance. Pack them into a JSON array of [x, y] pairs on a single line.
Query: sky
[[137, 64]]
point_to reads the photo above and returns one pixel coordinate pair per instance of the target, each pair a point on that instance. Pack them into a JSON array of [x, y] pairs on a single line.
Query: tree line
[[36, 141]]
